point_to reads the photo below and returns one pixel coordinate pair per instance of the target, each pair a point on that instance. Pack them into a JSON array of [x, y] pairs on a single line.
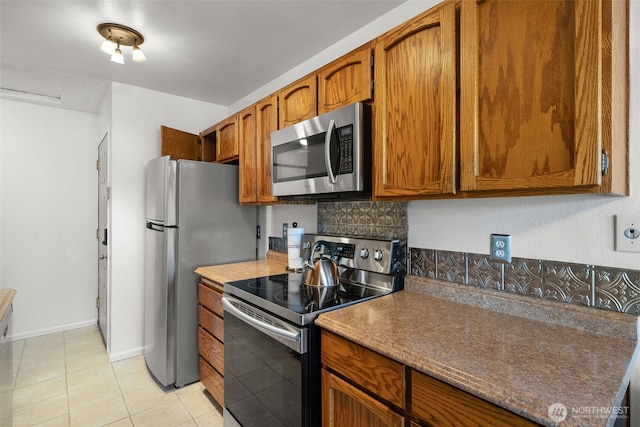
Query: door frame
[[103, 236]]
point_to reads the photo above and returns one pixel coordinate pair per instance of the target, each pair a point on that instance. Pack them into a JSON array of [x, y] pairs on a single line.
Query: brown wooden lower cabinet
[[360, 388], [346, 405], [440, 404], [211, 338], [212, 381]]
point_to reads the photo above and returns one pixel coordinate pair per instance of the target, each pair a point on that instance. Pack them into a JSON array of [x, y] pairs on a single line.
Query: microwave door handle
[[327, 151]]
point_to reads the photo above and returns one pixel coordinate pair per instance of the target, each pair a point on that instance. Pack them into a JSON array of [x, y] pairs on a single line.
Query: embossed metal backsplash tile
[[617, 290], [583, 284], [364, 219], [278, 244]]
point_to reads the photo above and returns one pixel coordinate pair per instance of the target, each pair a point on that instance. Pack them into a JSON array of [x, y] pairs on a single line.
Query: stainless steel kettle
[[323, 271]]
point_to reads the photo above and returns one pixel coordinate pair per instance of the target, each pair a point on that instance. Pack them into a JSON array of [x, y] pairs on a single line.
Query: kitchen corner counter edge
[[6, 298], [517, 352], [275, 263]]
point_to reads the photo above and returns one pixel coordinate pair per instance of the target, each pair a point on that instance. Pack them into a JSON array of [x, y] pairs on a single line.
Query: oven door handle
[[283, 333]]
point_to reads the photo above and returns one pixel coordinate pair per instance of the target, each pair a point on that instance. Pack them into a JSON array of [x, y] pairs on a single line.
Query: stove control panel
[[380, 256]]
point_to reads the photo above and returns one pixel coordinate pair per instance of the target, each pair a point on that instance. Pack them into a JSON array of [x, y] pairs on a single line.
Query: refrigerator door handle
[[154, 227], [157, 227]]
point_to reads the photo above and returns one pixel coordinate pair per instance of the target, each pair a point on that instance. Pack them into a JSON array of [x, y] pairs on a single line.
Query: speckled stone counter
[[520, 353], [275, 263], [6, 297]]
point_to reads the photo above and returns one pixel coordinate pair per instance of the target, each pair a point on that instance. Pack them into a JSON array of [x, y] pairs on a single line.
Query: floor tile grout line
[[68, 350]]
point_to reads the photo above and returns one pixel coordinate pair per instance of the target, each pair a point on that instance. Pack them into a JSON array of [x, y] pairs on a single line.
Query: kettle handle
[[316, 247]]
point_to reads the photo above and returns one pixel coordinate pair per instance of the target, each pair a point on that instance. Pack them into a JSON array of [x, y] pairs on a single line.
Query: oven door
[[266, 368]]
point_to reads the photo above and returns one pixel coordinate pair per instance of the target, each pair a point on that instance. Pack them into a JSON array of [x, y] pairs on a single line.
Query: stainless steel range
[[272, 347]]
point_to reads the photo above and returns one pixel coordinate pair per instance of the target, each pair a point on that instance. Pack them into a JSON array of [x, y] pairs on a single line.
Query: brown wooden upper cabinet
[[179, 144], [346, 80], [227, 140], [256, 124], [543, 96], [297, 101], [247, 154], [266, 122], [414, 140]]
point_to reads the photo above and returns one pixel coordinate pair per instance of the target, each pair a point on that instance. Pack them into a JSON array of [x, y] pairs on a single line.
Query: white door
[[103, 239]]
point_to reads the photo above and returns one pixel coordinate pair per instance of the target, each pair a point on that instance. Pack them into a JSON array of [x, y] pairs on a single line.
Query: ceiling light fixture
[[116, 35]]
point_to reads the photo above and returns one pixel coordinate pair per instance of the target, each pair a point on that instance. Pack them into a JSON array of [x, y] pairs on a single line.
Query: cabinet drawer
[[438, 403], [212, 323], [211, 349], [376, 373], [213, 381], [210, 298]]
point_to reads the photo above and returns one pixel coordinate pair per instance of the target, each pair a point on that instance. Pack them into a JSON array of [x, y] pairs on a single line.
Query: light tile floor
[[65, 379]]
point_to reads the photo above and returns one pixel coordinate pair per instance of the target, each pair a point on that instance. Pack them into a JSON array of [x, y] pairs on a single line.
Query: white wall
[[136, 117], [48, 200], [305, 215]]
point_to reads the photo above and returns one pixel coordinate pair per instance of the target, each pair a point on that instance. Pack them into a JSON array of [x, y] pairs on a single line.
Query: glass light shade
[[108, 47], [138, 55], [117, 57]]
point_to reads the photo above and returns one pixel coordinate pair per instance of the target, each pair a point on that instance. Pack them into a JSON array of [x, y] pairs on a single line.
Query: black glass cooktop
[[285, 296]]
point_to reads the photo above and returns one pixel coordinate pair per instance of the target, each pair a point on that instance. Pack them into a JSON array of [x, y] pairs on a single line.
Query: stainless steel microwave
[[326, 156]]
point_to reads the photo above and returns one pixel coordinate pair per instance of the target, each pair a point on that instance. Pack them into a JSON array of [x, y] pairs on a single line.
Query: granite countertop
[[275, 263], [522, 354], [6, 297]]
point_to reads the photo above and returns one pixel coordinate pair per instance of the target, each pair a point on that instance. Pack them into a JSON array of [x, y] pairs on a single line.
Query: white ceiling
[[216, 51]]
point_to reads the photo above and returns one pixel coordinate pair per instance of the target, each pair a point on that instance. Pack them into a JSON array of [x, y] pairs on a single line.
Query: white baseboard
[[56, 329], [114, 357]]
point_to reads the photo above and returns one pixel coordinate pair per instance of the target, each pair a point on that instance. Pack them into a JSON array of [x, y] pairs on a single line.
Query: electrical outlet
[[627, 233], [501, 247]]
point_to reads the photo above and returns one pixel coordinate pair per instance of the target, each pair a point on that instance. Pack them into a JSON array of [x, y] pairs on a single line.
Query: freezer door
[[161, 191], [159, 310]]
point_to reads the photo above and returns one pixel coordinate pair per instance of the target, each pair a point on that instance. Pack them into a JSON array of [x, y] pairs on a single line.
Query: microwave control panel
[[345, 138]]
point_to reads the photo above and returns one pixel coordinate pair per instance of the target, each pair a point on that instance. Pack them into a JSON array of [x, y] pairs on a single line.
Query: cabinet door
[[415, 110], [345, 80], [344, 405], [247, 161], [179, 144], [297, 101], [227, 140], [266, 122], [530, 92]]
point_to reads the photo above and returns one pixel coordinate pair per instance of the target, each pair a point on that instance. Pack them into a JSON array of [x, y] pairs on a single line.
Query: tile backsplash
[[365, 219], [595, 286], [583, 284]]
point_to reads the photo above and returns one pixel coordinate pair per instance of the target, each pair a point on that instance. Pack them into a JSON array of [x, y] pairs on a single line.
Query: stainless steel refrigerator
[[193, 219]]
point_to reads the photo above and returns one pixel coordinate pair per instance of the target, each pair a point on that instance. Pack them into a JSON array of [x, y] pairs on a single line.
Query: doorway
[[102, 234]]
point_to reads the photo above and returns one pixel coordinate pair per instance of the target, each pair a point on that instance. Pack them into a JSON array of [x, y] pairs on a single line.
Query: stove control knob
[[378, 254], [364, 253]]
